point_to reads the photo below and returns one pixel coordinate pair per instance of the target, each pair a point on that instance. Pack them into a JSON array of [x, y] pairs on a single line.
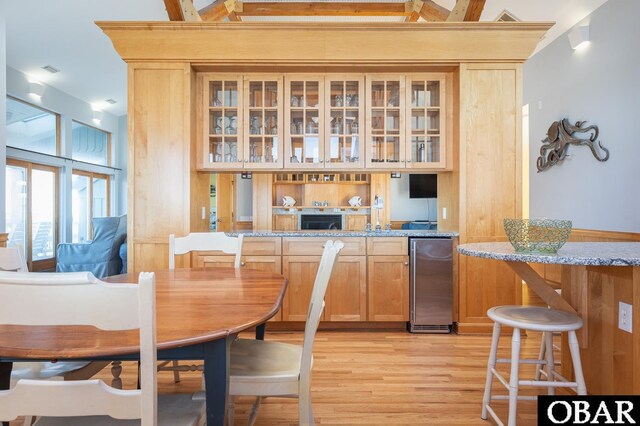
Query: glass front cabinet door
[[385, 143], [425, 142], [263, 122], [344, 121], [304, 115], [223, 123]]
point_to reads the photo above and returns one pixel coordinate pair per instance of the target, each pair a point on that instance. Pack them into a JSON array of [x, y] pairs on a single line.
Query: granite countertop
[[592, 254], [344, 234]]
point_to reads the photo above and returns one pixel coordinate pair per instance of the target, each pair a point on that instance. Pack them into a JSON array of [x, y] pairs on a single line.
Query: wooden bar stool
[[532, 318]]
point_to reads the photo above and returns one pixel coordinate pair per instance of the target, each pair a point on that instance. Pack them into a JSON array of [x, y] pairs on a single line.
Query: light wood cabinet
[[263, 121], [425, 109], [223, 123], [285, 222], [388, 288], [301, 273], [346, 298], [356, 222], [344, 121], [333, 121], [385, 146], [304, 115]]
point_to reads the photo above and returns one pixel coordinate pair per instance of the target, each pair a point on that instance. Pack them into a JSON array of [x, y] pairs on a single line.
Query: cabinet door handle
[[246, 161], [408, 161], [322, 161], [406, 263], [242, 263], [239, 160]]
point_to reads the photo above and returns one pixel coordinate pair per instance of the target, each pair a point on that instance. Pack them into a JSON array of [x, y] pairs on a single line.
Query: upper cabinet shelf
[[324, 121]]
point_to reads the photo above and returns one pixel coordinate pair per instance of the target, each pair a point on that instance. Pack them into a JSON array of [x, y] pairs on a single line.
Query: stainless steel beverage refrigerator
[[431, 291]]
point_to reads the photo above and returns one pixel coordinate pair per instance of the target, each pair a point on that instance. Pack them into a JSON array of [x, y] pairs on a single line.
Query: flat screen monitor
[[423, 186]]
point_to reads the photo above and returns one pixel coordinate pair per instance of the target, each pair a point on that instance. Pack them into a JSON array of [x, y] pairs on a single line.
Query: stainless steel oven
[[321, 221]]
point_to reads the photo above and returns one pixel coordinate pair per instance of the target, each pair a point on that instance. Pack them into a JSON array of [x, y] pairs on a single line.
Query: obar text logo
[[589, 410]]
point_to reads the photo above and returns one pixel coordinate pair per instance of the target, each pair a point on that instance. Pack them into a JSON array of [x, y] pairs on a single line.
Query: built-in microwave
[[321, 221]]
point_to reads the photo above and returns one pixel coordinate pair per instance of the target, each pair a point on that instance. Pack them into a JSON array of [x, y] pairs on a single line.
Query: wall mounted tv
[[423, 186]]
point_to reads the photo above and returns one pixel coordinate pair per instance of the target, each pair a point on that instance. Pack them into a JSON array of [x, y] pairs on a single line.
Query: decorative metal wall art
[[560, 136]]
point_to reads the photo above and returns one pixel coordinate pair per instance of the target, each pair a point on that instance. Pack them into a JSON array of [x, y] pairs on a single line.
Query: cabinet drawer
[[309, 246], [397, 246], [262, 246]]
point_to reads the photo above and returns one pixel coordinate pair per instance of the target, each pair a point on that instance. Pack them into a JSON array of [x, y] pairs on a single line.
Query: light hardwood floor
[[383, 378]]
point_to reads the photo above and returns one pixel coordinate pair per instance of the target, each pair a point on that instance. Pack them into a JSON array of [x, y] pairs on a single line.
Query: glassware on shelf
[[294, 101], [338, 100], [354, 127]]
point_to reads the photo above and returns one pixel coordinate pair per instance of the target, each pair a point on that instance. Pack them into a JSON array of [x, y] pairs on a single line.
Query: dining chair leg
[[574, 348], [513, 378], [541, 356], [305, 413], [254, 410], [548, 338], [176, 373], [490, 366]]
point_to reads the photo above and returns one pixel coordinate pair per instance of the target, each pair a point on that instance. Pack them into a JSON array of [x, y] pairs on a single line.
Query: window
[[90, 145], [32, 128], [31, 211], [89, 199]]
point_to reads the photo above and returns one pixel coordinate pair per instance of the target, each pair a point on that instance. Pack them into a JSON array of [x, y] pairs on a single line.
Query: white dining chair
[[80, 299], [199, 241], [205, 241], [265, 368], [12, 260]]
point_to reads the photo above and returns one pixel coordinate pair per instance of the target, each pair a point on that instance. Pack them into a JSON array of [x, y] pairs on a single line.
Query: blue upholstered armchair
[[101, 256]]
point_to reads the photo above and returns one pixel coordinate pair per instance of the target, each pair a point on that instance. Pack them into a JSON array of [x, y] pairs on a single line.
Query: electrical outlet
[[444, 212], [204, 212], [625, 317]]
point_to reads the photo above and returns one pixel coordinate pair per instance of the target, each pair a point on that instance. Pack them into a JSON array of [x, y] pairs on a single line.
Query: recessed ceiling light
[[111, 101], [51, 69]]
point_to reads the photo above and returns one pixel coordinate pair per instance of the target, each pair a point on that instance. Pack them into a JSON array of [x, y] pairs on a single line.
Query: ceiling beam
[[466, 10], [221, 9], [181, 10], [428, 10], [323, 9]]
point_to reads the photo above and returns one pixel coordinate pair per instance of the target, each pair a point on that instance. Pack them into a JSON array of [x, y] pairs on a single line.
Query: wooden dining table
[[199, 313]]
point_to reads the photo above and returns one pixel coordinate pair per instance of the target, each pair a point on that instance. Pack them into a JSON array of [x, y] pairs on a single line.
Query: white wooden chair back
[[316, 306], [78, 298], [12, 259], [205, 241]]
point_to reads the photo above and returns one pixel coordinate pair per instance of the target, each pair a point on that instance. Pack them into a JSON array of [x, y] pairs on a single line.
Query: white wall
[[408, 209], [600, 84], [69, 108], [3, 115]]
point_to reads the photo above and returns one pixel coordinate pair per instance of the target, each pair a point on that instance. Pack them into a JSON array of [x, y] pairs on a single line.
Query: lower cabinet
[[388, 290], [285, 222], [301, 273], [346, 298]]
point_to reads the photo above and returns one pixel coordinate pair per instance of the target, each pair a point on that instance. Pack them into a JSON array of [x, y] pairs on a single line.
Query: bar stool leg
[[541, 355], [490, 365], [513, 378], [548, 338], [574, 348]]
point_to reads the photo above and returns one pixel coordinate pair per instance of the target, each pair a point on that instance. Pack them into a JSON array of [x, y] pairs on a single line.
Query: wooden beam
[[181, 10], [323, 9], [466, 10], [413, 7], [433, 12], [220, 9]]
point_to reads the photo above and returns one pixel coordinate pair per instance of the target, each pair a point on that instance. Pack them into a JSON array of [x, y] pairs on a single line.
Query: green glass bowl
[[537, 235]]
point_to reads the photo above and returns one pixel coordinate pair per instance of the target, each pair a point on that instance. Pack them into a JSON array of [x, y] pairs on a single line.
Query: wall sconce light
[[97, 116], [579, 37], [36, 89], [395, 175]]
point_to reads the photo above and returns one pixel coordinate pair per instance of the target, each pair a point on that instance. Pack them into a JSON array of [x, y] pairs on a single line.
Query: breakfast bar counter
[[598, 279]]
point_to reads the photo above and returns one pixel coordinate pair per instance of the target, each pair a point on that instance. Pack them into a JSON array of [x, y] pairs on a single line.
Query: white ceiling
[[62, 33]]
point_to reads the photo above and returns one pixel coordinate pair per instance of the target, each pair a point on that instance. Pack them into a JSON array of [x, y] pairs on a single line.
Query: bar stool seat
[[532, 318], [535, 318]]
